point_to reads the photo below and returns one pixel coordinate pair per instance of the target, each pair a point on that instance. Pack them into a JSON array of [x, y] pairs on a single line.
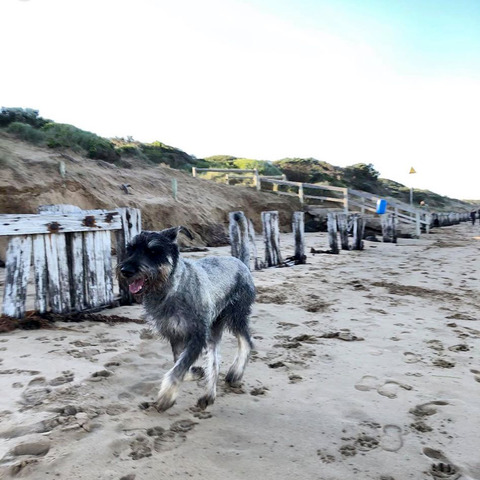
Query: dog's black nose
[[127, 271]]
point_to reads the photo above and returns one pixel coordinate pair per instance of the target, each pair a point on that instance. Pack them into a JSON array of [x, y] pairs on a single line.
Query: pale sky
[[394, 83]]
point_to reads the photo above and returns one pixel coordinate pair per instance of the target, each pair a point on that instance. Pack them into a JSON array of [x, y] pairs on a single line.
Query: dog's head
[[150, 259]]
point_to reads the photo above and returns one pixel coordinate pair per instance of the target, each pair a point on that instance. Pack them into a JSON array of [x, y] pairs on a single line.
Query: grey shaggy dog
[[190, 303]]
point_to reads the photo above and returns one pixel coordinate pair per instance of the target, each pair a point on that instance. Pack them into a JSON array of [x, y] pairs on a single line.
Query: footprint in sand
[[367, 382], [325, 457], [444, 470], [392, 439], [387, 388], [427, 409], [442, 363], [459, 348], [164, 440], [66, 377], [390, 388], [140, 448], [411, 357]]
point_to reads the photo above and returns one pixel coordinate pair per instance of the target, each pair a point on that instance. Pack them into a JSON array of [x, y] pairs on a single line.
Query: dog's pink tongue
[[136, 285]]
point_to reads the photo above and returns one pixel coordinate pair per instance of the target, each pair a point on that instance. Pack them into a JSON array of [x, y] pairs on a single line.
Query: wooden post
[[389, 230], [271, 236], [131, 226], [18, 259], [227, 179], [174, 188], [239, 237], [301, 195], [342, 224], [428, 220], [345, 200], [194, 171], [358, 231], [298, 227], [251, 236], [417, 224], [332, 232], [257, 180]]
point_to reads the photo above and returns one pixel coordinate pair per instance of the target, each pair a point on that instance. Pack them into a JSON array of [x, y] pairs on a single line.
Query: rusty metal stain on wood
[[89, 221], [53, 227]]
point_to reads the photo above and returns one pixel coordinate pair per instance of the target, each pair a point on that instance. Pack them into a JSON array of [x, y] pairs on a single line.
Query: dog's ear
[[172, 233]]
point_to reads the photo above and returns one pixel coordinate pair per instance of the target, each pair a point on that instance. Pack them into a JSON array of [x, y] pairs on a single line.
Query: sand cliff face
[[32, 176]]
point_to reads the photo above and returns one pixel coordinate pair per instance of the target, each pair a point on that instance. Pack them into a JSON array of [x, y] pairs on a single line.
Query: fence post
[[251, 236], [257, 180], [239, 237], [301, 195], [389, 230], [358, 231], [298, 227], [131, 226], [342, 224], [332, 232], [345, 200], [271, 236], [194, 171], [417, 225]]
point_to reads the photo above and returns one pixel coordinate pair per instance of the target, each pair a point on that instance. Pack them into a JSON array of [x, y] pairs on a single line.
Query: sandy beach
[[366, 366]]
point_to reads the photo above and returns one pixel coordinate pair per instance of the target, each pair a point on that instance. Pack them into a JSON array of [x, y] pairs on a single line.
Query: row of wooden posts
[[340, 225]]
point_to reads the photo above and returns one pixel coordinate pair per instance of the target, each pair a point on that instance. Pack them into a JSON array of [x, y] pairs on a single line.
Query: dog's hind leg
[[212, 364], [235, 372], [211, 375]]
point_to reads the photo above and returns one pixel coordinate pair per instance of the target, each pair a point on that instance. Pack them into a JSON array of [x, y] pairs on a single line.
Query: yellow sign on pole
[[412, 170]]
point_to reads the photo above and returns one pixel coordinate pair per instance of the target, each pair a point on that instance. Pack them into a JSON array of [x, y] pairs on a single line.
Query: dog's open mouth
[[136, 286]]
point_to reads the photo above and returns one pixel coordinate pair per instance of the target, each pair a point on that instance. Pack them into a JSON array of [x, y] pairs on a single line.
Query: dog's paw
[[233, 379], [205, 401], [164, 403]]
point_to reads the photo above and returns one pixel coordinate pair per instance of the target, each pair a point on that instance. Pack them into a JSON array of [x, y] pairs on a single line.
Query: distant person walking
[[473, 215]]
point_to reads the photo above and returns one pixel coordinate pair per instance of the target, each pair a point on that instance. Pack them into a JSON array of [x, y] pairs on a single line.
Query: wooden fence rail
[[71, 254]]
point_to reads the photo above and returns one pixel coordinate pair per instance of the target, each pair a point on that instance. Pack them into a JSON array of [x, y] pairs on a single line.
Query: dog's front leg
[[174, 377]]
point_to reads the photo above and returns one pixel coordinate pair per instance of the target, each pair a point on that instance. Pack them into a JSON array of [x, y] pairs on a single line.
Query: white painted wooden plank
[[107, 264], [40, 273], [54, 292], [99, 267], [59, 223], [63, 274], [77, 271], [91, 287], [18, 260]]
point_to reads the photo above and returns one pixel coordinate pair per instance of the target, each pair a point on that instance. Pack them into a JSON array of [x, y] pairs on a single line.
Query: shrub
[[264, 168], [158, 152], [68, 136], [26, 132], [27, 116]]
